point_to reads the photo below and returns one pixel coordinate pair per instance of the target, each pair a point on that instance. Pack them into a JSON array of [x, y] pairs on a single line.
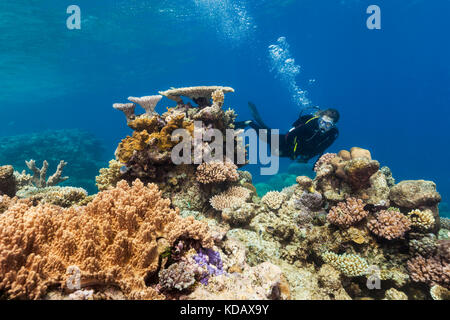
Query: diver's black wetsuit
[[304, 141]]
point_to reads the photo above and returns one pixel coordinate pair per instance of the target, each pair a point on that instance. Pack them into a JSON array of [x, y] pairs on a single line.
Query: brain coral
[[114, 240], [217, 171], [347, 213], [390, 224]]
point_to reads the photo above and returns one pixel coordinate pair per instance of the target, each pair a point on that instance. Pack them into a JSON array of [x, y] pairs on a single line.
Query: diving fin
[[256, 115]]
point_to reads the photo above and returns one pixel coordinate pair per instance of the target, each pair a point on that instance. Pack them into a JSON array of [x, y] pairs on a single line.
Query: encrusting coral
[[114, 240]]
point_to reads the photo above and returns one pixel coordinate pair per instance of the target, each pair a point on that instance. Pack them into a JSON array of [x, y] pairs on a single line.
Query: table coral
[[115, 239]]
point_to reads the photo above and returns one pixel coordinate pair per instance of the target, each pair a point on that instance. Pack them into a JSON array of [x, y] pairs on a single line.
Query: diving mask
[[325, 124]]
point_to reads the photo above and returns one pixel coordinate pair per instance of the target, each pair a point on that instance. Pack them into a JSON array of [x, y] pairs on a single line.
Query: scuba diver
[[309, 136]]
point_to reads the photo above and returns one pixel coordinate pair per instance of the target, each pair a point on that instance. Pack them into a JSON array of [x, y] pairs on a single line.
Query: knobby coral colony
[[157, 230]]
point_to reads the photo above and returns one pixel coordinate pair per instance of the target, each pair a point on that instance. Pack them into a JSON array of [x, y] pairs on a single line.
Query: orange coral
[[145, 123], [114, 240], [163, 138]]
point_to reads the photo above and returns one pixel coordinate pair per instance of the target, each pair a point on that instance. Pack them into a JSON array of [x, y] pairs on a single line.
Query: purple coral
[[212, 263]]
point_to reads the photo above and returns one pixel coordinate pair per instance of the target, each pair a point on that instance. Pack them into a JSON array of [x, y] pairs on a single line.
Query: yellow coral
[[422, 219], [349, 264], [137, 142], [145, 123], [163, 138], [108, 177]]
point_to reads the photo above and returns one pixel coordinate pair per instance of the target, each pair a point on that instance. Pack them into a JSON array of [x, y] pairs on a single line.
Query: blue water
[[392, 86]]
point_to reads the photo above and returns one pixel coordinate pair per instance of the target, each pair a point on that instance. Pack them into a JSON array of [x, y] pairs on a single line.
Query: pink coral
[[348, 213], [434, 270], [216, 171], [390, 224]]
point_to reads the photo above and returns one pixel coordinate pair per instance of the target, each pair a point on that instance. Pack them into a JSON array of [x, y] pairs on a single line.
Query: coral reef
[[115, 239], [83, 151], [161, 228]]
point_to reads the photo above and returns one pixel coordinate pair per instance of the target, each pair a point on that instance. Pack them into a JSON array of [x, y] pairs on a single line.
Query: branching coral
[[116, 239], [350, 265], [390, 224], [432, 271], [273, 199], [348, 213], [40, 175], [216, 172], [422, 219], [233, 197], [108, 177]]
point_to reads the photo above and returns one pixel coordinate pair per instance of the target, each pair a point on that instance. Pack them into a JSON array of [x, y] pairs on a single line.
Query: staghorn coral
[[7, 181], [348, 213], [389, 224], [40, 175], [114, 240], [324, 159], [273, 199], [216, 172], [350, 265], [422, 219], [108, 177]]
